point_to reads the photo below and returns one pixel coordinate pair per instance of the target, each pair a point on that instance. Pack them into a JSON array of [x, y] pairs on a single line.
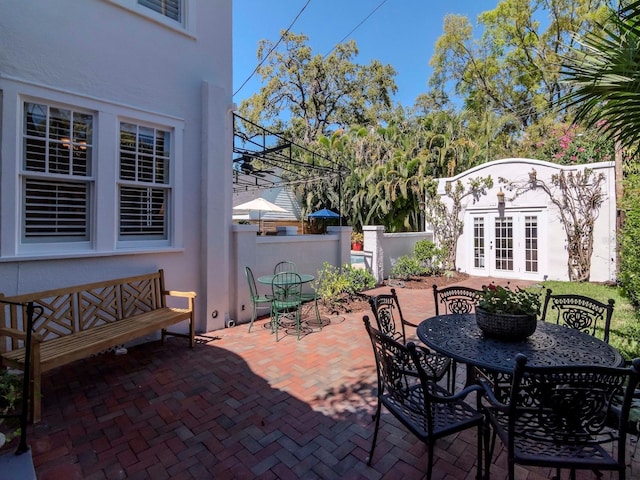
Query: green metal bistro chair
[[286, 303], [579, 312], [425, 408], [559, 417], [314, 297], [285, 266], [256, 299]]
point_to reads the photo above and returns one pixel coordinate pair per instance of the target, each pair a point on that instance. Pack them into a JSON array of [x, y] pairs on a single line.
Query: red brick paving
[[239, 405]]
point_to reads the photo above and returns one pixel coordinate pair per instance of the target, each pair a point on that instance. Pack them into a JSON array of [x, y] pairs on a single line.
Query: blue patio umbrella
[[324, 214]]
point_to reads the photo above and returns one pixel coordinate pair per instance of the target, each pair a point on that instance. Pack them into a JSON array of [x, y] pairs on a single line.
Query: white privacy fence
[[310, 252], [382, 249], [261, 253]]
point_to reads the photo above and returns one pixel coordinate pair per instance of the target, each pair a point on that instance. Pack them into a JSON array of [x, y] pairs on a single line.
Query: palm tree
[[605, 75]]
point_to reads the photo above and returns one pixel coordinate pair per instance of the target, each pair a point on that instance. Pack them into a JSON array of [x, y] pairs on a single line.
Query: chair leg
[[318, 314], [430, 446], [375, 434], [479, 452], [488, 452], [254, 314], [452, 378]]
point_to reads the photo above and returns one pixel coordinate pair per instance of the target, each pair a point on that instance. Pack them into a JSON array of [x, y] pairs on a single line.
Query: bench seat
[[62, 350]]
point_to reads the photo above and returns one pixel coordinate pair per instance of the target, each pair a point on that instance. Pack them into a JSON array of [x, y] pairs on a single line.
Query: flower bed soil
[[360, 302]]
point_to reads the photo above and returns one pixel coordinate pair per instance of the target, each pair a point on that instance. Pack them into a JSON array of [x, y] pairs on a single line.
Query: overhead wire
[[273, 48], [356, 27]]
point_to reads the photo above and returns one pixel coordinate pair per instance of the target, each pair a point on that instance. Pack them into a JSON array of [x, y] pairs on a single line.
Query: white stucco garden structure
[[524, 237]]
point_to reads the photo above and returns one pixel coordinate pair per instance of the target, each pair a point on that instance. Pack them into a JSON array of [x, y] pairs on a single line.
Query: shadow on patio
[[240, 405]]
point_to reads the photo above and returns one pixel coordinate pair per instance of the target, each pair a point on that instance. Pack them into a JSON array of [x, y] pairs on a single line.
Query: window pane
[[48, 144], [144, 154], [168, 8], [143, 213], [56, 211]]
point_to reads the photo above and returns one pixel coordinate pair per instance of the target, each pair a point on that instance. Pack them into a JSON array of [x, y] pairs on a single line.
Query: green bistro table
[[268, 279]]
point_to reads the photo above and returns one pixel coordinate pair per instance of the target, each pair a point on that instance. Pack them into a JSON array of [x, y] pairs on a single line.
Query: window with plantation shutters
[[144, 182], [169, 8], [57, 174]]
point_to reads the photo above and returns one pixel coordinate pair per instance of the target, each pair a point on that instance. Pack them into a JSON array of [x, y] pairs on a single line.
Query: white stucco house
[[524, 237], [115, 145]]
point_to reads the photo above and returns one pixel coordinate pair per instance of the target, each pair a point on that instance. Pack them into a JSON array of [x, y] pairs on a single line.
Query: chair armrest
[[461, 395], [18, 334], [491, 397]]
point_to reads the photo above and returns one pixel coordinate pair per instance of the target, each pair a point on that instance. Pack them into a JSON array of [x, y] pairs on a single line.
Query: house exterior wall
[[552, 243], [121, 62]]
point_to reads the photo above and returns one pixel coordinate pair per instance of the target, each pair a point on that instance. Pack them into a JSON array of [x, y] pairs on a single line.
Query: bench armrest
[[18, 334], [175, 293]]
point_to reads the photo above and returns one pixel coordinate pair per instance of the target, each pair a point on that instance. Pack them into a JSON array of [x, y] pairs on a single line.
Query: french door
[[508, 244]]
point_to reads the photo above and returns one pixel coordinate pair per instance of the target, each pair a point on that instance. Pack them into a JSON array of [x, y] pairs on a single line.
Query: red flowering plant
[[497, 299]]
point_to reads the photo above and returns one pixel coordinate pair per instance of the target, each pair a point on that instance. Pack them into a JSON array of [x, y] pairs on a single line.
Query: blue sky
[[401, 33]]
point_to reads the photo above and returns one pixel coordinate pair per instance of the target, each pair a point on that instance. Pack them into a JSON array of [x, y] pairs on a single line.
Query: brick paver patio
[[241, 406]]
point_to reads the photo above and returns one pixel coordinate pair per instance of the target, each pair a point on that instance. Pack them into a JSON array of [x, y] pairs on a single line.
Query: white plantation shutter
[[56, 211], [169, 8], [144, 182], [56, 186]]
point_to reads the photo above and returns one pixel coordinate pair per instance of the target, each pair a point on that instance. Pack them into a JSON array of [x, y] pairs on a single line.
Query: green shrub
[[407, 266], [430, 256], [359, 279], [10, 395], [338, 282], [629, 268]]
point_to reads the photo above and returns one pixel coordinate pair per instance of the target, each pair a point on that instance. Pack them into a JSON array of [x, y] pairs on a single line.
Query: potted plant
[[507, 314], [357, 240]]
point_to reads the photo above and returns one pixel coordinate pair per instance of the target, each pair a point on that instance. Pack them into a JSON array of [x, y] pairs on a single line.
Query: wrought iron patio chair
[[425, 408], [285, 266], [455, 299], [557, 417], [390, 321], [286, 303], [256, 299], [451, 300], [579, 312]]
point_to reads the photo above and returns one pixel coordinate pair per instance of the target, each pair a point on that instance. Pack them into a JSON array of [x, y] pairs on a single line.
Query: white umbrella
[[260, 205]]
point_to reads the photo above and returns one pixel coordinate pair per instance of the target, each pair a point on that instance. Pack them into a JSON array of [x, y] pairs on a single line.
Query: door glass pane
[[531, 243], [504, 243], [478, 242]]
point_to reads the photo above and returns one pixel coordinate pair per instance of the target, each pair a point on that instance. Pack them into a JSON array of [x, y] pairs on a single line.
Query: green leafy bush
[[430, 256], [407, 266], [359, 279], [10, 395], [346, 281], [629, 270]]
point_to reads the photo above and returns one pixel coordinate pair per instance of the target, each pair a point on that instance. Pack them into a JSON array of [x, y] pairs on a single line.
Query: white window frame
[[186, 26], [103, 213], [129, 241]]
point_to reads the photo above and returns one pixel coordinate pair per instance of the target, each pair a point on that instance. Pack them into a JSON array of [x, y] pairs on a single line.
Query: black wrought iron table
[[458, 337]]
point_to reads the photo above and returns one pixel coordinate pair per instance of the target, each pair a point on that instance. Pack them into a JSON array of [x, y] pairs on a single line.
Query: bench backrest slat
[[80, 307]]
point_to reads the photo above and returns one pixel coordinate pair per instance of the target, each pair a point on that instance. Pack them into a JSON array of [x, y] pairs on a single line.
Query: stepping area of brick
[[241, 406]]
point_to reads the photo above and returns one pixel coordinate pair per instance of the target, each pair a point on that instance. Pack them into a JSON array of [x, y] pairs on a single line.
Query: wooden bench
[[79, 321]]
